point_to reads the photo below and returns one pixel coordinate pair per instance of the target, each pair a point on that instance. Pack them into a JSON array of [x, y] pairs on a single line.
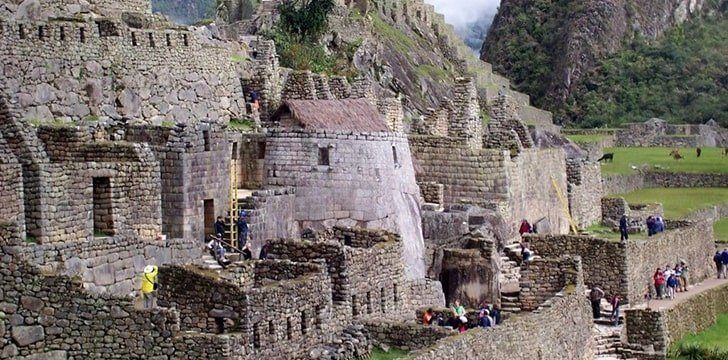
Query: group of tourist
[[217, 246], [669, 281], [721, 262], [595, 297], [655, 225], [488, 316]]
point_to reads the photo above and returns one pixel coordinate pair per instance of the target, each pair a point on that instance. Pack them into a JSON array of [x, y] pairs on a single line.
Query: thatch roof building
[[349, 115]]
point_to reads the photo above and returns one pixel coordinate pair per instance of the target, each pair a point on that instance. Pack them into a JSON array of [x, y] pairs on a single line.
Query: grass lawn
[[715, 337], [711, 161], [394, 353], [603, 232], [678, 202], [586, 139], [721, 231]]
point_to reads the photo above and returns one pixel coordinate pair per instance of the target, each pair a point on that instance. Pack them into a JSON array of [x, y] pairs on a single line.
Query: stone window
[[107, 28], [319, 316], [63, 33], [369, 302], [169, 39], [261, 150], [396, 293], [41, 32], [383, 300], [82, 34], [151, 39], [347, 240], [323, 156], [234, 155], [289, 329], [206, 138], [256, 336], [271, 328], [354, 307], [21, 31], [394, 156], [102, 207], [134, 39], [185, 40], [304, 323]]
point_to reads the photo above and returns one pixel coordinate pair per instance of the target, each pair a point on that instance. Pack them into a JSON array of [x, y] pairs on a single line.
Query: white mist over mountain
[[471, 18]]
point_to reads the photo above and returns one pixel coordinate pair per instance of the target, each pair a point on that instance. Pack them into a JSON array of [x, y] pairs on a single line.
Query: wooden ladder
[[233, 202]]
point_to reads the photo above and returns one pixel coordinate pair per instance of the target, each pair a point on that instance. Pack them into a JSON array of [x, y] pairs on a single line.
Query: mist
[[471, 18]]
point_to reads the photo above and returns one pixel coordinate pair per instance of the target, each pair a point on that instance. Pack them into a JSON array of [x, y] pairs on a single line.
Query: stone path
[[682, 296]]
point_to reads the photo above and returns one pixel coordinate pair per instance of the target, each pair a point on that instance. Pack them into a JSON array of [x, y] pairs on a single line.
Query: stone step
[[513, 299], [514, 310]]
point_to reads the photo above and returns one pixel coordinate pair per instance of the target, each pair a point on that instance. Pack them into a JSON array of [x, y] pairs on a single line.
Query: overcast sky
[[459, 12]]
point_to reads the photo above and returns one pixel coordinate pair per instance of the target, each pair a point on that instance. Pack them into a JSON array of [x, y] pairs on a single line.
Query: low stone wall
[[425, 293], [651, 329], [603, 261], [432, 192], [561, 331], [621, 184], [270, 216], [405, 336], [542, 279]]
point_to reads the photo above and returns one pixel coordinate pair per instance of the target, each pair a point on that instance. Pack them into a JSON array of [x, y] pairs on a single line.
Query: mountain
[[185, 11], [560, 51]]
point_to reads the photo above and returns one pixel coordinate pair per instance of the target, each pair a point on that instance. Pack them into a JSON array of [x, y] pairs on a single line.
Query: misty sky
[[459, 12]]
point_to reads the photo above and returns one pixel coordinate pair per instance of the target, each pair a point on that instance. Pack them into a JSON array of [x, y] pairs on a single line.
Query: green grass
[[399, 39], [678, 202], [715, 337], [587, 139], [394, 353], [433, 72], [244, 125], [720, 228], [602, 232], [711, 161]]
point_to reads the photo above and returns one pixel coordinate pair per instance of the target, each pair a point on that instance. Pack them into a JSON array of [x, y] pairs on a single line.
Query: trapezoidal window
[[234, 155], [323, 156], [394, 155], [304, 323], [103, 213], [261, 150]]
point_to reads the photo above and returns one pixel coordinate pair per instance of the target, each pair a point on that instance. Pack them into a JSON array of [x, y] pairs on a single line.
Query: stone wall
[[603, 261], [658, 133], [250, 160], [405, 336], [11, 189], [546, 334], [542, 279], [470, 274], [104, 7], [621, 184], [653, 329], [424, 293], [61, 70], [270, 216], [695, 244], [432, 192], [362, 185], [584, 191]]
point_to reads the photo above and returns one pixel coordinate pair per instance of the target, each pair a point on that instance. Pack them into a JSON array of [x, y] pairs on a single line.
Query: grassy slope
[[715, 336], [721, 231], [711, 161], [678, 202], [379, 354], [586, 139]]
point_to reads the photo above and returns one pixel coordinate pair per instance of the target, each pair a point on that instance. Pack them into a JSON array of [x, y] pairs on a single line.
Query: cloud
[[462, 12]]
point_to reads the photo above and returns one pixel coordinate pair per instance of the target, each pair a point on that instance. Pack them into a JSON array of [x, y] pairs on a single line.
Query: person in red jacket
[[525, 227], [659, 279]]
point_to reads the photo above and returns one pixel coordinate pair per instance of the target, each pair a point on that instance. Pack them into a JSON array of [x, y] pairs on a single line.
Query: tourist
[[217, 250], [659, 225], [684, 278], [671, 286], [427, 317], [659, 280], [484, 319], [623, 227], [458, 309], [247, 254], [616, 302], [525, 227], [263, 252], [699, 151], [463, 326], [255, 99], [595, 296], [242, 229], [496, 314], [453, 322], [219, 227], [724, 261], [650, 225], [717, 259], [149, 285]]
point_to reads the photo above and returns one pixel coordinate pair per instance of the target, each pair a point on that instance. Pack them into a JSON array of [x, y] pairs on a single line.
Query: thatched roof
[[356, 115]]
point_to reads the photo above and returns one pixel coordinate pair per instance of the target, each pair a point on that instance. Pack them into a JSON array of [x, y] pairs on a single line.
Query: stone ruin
[[119, 147]]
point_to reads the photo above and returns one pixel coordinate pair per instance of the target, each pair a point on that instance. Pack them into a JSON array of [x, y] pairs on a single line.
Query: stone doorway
[[209, 210]]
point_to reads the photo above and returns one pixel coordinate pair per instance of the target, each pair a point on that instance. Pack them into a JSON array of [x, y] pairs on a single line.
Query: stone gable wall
[[547, 334], [585, 192], [117, 73], [364, 186]]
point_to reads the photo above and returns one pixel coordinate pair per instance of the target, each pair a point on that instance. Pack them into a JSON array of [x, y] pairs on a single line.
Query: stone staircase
[[509, 303], [607, 341]]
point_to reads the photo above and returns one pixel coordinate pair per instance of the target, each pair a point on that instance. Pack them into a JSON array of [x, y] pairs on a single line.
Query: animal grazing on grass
[[725, 151], [607, 157], [676, 154], [699, 151]]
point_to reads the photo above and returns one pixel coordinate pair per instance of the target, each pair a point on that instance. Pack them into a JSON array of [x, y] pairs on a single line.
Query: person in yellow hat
[[149, 285]]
